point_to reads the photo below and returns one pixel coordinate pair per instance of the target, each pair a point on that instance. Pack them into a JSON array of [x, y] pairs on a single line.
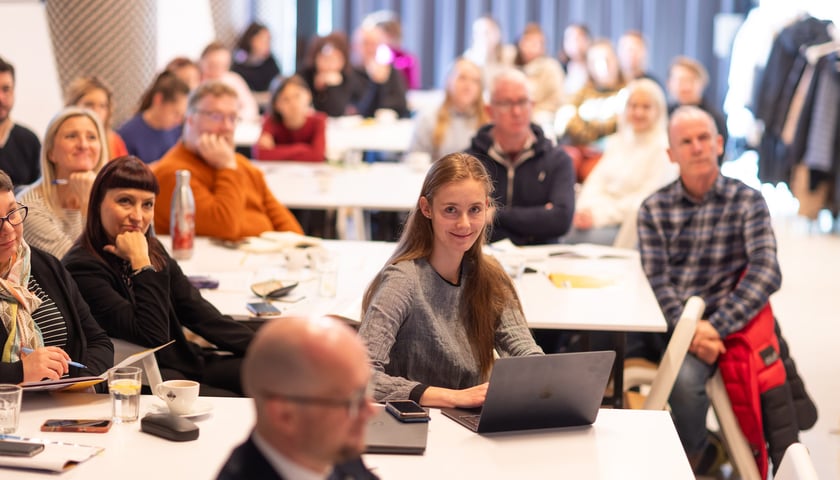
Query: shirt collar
[[718, 188], [283, 465]]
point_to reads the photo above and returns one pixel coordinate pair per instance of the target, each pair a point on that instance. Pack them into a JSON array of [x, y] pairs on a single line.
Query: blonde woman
[[93, 94], [450, 127], [73, 152]]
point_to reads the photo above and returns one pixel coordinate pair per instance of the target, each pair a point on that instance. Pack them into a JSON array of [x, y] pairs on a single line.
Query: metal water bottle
[[182, 217]]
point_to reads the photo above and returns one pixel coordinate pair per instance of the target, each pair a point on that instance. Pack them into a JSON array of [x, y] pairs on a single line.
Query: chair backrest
[[627, 236], [674, 355], [796, 464], [151, 372]]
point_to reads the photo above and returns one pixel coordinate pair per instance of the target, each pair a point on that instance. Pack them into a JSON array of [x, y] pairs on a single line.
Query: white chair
[[796, 464], [628, 236], [151, 372], [661, 379], [740, 453]]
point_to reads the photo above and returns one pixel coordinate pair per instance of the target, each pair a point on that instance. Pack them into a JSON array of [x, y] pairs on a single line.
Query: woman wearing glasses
[[138, 293], [44, 321], [437, 310], [73, 151]]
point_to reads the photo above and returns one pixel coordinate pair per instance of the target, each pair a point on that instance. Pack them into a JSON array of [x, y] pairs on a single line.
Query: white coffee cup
[[179, 395]]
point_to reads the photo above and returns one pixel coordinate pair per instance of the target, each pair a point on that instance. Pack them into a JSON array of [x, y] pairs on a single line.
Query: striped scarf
[[16, 306]]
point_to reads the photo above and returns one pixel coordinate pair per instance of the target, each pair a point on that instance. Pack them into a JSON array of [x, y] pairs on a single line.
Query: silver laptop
[[540, 391], [386, 434]]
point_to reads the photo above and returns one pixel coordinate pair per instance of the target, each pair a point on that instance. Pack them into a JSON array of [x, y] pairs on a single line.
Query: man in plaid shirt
[[710, 236]]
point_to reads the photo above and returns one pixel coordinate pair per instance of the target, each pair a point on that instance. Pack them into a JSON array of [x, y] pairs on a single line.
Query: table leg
[[618, 370]]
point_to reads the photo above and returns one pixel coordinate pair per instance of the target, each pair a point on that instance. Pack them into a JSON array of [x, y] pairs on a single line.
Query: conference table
[[623, 444], [349, 189]]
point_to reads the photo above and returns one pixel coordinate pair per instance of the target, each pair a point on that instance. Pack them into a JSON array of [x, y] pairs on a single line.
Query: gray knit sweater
[[415, 336]]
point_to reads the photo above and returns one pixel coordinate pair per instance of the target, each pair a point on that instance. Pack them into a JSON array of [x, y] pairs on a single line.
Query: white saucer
[[199, 408]]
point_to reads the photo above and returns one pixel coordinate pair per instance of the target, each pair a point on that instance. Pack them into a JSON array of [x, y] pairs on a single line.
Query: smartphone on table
[[10, 448], [407, 411], [264, 310], [76, 425]]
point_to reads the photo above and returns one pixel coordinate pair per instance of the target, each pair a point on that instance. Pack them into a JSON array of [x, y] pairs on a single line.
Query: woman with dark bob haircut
[[138, 293]]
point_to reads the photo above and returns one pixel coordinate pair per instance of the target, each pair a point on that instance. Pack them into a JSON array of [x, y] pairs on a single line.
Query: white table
[[349, 190], [236, 270], [621, 444]]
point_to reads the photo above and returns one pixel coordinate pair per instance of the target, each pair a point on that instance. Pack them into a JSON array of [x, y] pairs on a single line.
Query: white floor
[[808, 309]]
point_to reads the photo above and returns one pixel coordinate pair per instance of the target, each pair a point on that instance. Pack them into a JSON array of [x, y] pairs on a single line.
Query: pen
[[60, 181], [71, 362]]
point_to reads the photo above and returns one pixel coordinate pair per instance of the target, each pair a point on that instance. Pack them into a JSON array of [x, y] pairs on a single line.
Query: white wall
[[185, 27], [25, 43]]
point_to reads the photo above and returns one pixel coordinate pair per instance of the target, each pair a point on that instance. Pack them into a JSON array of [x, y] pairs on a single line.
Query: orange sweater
[[229, 204]]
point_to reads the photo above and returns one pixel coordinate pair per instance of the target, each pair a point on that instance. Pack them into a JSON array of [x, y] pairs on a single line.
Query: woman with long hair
[[434, 314], [93, 94], [252, 58], [74, 150], [450, 127], [138, 293]]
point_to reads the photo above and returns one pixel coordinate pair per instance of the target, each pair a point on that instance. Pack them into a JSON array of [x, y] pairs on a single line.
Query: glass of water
[[124, 385], [10, 398]]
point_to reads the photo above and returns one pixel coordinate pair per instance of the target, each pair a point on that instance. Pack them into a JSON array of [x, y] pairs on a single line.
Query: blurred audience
[[544, 73], [687, 80], [633, 57], [448, 128], [215, 65], [19, 146], [487, 49], [93, 94], [634, 165], [384, 87], [336, 87], [157, 125], [401, 60], [252, 58], [292, 130], [576, 41], [185, 69], [74, 150]]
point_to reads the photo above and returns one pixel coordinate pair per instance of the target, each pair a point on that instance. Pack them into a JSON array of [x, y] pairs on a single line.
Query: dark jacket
[[334, 100], [521, 192], [153, 309], [246, 462], [390, 94], [87, 343]]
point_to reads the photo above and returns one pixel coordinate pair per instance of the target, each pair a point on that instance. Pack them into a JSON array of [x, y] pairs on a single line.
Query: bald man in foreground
[[308, 379]]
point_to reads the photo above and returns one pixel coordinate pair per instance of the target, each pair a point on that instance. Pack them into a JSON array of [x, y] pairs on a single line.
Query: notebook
[[540, 391], [386, 434]]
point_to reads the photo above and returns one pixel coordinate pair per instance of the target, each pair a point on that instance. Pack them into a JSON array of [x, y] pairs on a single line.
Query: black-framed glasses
[[352, 404], [507, 105], [219, 117], [16, 216]]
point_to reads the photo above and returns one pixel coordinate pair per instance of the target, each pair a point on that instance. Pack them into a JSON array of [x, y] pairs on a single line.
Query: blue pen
[[60, 181], [27, 351]]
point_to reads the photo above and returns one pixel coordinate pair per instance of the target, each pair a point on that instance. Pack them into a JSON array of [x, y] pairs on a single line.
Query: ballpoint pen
[[60, 181], [27, 351]]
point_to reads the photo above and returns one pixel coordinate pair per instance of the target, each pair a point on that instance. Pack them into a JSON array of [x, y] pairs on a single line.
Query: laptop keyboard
[[471, 420]]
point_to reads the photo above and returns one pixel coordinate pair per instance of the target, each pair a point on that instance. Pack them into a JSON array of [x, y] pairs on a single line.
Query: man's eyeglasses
[[507, 105], [352, 404], [219, 117], [16, 216]]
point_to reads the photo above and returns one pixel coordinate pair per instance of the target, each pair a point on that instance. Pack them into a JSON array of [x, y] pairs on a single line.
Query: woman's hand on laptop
[[446, 397]]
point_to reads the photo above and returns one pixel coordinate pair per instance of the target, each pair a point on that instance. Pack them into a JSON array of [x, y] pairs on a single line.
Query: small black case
[[170, 427]]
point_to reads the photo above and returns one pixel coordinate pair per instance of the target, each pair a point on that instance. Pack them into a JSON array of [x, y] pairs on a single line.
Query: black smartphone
[[264, 310], [407, 411], [11, 448], [76, 425]]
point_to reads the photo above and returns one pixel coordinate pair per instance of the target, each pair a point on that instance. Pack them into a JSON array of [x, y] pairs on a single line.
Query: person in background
[[185, 69], [635, 164], [252, 58], [401, 60], [292, 130], [576, 41], [336, 87], [434, 314], [308, 379], [156, 127], [593, 113], [687, 80], [138, 293], [74, 150], [384, 87], [533, 180], [41, 309], [215, 66], [633, 57], [487, 49], [19, 146], [232, 198], [544, 73], [449, 128], [93, 94]]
